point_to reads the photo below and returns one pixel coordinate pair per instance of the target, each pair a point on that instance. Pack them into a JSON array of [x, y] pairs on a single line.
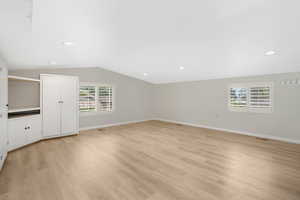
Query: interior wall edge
[[232, 131]]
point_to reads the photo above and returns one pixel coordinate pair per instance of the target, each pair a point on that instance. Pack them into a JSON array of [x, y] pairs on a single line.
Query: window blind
[[260, 97], [105, 98], [87, 99], [238, 97]]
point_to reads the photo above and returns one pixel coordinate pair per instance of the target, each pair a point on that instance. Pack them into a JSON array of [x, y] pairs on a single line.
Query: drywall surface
[[205, 103], [23, 94], [133, 98]]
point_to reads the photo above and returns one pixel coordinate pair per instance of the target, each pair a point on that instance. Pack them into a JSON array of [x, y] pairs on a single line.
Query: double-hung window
[[95, 98], [251, 97]]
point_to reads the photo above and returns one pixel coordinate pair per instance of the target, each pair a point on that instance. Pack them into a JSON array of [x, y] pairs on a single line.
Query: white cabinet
[[3, 114], [59, 105], [24, 130], [3, 89]]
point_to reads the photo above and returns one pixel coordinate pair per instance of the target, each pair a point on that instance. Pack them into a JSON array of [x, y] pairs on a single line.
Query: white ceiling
[[210, 38]]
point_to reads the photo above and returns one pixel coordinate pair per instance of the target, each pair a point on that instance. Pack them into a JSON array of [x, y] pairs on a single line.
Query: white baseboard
[[2, 161], [114, 124], [233, 131]]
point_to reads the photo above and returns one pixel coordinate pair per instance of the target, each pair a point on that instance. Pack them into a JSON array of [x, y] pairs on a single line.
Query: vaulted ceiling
[[208, 38]]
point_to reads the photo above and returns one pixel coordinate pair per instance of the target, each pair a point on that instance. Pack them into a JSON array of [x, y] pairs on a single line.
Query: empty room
[[149, 100]]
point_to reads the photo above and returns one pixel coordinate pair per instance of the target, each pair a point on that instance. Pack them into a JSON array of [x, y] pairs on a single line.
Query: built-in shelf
[[19, 78], [23, 110]]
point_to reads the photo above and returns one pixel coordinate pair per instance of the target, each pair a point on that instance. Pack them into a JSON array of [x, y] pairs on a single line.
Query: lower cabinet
[[24, 130]]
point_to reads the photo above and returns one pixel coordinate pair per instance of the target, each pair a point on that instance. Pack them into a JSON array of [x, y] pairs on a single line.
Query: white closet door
[[69, 107], [3, 112], [50, 105], [3, 89], [3, 132]]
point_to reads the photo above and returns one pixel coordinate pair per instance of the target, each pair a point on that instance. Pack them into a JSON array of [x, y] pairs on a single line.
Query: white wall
[[205, 103], [201, 103], [133, 99], [17, 90]]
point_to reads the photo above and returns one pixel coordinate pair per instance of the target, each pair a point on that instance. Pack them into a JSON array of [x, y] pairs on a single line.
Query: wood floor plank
[[153, 161]]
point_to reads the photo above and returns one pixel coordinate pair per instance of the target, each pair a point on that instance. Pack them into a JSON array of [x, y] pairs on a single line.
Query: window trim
[[97, 85], [249, 108]]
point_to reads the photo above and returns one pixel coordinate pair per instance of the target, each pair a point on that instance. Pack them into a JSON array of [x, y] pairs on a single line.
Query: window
[[238, 97], [95, 98], [260, 97], [251, 97], [87, 99], [105, 98]]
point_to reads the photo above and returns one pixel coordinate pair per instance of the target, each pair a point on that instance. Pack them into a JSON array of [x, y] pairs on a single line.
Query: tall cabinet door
[[3, 133], [3, 113], [69, 105], [3, 89], [51, 111]]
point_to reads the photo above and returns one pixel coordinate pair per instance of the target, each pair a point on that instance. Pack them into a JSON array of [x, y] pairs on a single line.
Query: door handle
[[60, 102]]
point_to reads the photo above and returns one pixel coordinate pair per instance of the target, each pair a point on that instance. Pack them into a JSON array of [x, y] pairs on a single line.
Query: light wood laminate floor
[[153, 160]]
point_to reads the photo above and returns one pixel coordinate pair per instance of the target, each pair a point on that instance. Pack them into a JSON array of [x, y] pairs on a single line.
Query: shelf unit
[[18, 111]]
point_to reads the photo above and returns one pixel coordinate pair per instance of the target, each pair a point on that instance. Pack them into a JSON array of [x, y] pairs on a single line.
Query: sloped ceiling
[[209, 38]]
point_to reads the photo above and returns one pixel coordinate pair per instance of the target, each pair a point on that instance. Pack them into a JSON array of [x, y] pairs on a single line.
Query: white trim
[[233, 131], [114, 124], [23, 110], [19, 78]]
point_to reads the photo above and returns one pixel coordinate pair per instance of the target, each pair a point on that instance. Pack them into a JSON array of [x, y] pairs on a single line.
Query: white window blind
[[238, 97], [87, 99], [105, 98], [251, 97], [260, 97]]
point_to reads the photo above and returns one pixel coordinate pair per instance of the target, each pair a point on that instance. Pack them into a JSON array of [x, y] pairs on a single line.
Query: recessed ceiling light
[[52, 63], [145, 74], [67, 43], [270, 53], [181, 68]]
